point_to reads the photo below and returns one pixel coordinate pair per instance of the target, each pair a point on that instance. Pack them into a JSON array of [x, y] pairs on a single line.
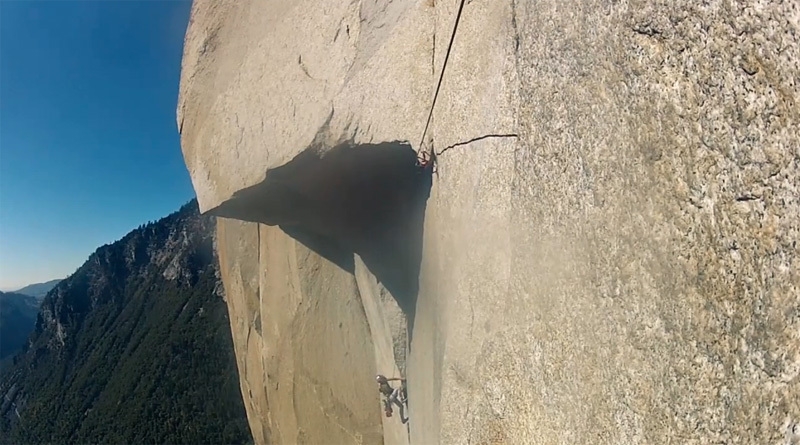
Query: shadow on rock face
[[367, 199]]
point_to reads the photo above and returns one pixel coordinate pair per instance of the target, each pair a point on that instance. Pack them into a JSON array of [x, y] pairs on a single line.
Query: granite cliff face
[[625, 269]]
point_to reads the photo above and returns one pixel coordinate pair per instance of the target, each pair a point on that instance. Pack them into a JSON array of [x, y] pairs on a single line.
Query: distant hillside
[[38, 290], [134, 347], [17, 319]]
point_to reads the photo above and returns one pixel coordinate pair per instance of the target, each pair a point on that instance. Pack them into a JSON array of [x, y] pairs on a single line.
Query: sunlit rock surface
[[624, 270]]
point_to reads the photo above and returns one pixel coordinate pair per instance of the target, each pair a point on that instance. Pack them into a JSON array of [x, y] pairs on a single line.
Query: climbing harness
[[397, 396]]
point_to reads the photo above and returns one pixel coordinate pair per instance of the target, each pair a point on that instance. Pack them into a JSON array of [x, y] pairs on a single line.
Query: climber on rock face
[[393, 395]]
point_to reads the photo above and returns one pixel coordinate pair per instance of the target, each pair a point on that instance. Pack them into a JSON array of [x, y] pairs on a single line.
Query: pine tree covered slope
[[17, 318], [134, 347]]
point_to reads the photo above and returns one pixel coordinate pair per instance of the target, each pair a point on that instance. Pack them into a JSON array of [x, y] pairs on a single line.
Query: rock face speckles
[[625, 271]]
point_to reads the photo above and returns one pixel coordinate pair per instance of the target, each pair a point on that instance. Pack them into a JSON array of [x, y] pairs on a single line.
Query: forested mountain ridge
[[134, 347], [17, 318], [38, 290]]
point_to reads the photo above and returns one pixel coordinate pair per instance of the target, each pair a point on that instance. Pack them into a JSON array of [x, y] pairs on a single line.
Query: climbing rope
[[431, 156]]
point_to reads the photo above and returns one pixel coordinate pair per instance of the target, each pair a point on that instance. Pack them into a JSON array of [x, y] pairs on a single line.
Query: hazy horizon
[[14, 289]]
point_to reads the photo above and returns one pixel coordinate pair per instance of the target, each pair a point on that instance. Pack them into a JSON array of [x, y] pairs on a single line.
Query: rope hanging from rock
[[432, 153]]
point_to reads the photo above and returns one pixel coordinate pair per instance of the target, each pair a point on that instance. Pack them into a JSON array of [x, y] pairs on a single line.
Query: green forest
[[135, 347]]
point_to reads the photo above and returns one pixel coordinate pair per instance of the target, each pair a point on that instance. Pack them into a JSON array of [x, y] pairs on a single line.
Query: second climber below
[[394, 396]]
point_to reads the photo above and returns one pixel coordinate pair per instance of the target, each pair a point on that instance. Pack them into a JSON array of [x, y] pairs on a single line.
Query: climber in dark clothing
[[393, 396]]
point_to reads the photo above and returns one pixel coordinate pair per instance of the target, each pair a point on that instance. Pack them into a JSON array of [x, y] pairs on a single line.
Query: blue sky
[[89, 147]]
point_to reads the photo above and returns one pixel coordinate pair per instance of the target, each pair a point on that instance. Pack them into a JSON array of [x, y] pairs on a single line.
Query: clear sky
[[89, 147]]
